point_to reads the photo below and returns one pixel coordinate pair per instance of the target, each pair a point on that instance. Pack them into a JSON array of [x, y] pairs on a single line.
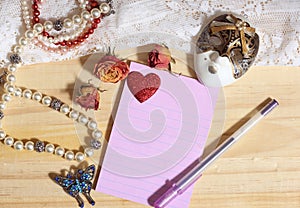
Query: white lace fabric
[[174, 23]]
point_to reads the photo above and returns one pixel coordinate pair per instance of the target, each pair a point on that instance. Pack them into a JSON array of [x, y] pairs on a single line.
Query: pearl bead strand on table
[[12, 90], [8, 78], [39, 146]]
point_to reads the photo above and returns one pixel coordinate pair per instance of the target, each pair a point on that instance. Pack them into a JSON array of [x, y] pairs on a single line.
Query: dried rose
[[160, 57], [89, 97], [111, 69]]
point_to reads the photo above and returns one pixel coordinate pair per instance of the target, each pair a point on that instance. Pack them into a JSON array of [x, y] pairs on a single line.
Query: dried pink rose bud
[[160, 57], [89, 97]]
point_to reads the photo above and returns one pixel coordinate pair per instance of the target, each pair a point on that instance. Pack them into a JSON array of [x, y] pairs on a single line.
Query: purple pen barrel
[[269, 107], [167, 197], [178, 188], [194, 174]]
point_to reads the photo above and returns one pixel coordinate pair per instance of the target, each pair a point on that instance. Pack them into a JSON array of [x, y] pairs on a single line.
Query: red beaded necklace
[[92, 13]]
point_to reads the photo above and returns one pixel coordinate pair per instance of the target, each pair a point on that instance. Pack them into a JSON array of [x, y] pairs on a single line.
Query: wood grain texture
[[262, 170]]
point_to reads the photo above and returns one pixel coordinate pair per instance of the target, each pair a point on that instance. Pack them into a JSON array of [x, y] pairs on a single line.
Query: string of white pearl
[[47, 43], [26, 12], [12, 90], [18, 49], [48, 148], [72, 34], [77, 23], [48, 25], [37, 29], [64, 109]]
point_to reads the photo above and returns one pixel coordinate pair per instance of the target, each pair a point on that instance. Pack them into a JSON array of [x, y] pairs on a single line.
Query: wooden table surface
[[262, 170]]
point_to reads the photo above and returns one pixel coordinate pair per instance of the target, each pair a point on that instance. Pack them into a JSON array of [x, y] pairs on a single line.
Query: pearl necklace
[[81, 27], [8, 78], [55, 104]]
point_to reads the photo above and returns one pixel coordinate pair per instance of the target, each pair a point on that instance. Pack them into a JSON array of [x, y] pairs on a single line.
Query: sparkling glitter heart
[[143, 87]]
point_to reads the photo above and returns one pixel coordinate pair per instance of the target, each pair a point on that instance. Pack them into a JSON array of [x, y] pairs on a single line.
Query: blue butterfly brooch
[[78, 183]]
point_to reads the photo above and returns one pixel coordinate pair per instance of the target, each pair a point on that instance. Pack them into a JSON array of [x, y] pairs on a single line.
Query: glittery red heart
[[143, 87]]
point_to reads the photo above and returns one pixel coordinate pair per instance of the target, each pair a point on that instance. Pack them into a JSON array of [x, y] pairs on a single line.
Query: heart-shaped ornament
[[143, 87]]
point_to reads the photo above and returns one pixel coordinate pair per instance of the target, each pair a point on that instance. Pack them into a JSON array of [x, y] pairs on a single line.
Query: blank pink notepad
[[152, 142]]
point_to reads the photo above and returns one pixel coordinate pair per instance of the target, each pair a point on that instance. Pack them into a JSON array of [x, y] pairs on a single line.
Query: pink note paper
[[152, 142]]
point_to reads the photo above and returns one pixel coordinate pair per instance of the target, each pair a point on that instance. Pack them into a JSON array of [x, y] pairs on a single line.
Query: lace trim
[[175, 23]]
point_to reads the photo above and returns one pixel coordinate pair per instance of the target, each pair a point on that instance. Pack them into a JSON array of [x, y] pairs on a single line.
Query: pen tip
[[270, 106]]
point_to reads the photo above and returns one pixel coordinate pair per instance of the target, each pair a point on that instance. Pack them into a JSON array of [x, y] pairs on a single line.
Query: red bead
[[94, 26], [36, 12], [75, 42], [35, 6], [97, 21], [36, 19], [80, 39], [69, 43], [86, 35], [62, 43], [45, 34], [91, 31], [94, 4]]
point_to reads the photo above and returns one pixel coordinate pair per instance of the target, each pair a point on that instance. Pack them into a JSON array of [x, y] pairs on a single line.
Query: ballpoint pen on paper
[[194, 174]]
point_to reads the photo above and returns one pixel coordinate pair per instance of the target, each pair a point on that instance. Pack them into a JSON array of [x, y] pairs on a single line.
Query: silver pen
[[194, 174]]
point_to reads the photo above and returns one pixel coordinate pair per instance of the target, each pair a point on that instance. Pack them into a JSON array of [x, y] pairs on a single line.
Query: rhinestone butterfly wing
[[78, 183]]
